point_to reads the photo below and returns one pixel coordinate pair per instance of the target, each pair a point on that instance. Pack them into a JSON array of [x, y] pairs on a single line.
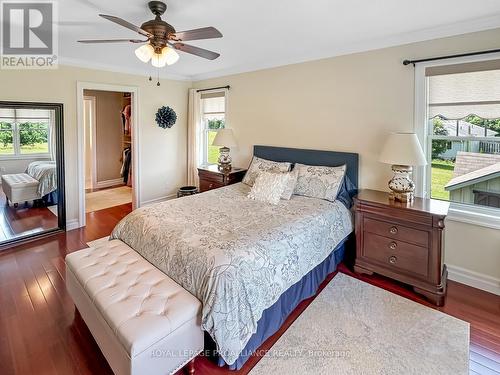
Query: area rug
[[99, 200], [355, 328]]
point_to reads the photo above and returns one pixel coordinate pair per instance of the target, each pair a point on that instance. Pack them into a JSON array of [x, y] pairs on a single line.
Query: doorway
[[107, 148]]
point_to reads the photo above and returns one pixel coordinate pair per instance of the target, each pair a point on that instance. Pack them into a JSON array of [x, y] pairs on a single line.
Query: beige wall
[[163, 155], [350, 103], [109, 133]]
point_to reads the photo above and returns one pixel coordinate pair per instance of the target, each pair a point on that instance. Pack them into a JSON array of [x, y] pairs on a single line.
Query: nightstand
[[211, 178], [402, 241]]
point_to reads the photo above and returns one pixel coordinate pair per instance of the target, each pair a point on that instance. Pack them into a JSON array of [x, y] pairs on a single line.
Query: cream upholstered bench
[[142, 320], [20, 187]]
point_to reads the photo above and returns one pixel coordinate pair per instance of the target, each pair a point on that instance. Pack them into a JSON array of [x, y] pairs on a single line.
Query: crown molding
[[80, 63], [444, 31]]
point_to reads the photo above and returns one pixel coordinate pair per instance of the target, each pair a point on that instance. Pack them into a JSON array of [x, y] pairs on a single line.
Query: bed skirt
[[274, 316]]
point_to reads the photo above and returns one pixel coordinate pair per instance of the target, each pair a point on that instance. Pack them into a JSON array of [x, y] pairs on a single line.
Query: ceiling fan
[[162, 40]]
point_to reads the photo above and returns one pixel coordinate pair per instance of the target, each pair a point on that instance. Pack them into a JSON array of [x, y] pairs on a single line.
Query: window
[[24, 132], [463, 135], [213, 118]]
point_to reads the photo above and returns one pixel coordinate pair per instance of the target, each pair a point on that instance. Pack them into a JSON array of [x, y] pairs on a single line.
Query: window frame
[[204, 125], [466, 213], [16, 142]]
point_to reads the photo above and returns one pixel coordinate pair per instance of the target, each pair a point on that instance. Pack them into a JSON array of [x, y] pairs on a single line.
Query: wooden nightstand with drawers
[[402, 241], [211, 178]]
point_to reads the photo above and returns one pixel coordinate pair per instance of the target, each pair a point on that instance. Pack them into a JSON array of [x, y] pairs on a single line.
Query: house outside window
[[457, 120], [24, 133], [213, 118], [464, 110]]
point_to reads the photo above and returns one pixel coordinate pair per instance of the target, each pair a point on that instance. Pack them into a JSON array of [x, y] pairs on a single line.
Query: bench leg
[[189, 368]]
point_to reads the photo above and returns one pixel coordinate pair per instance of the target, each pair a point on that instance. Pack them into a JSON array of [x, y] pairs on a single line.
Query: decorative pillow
[[319, 182], [290, 184], [261, 165], [268, 187]]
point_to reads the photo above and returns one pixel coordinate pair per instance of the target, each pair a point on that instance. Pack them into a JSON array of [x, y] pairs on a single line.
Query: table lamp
[[224, 138], [403, 151]]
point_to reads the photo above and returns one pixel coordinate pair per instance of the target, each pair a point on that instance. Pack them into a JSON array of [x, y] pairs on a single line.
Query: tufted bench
[[20, 187], [143, 321]]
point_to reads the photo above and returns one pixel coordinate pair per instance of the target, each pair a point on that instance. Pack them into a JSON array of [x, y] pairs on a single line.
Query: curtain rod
[[408, 62], [214, 88]]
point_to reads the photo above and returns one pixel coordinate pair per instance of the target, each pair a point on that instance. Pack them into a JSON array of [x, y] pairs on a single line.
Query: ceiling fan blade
[[112, 41], [203, 33], [205, 53], [126, 24]]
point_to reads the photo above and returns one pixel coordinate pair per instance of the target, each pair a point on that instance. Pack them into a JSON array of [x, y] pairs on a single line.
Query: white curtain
[[52, 135], [194, 137]]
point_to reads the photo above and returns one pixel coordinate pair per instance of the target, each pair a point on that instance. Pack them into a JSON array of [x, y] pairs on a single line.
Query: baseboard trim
[[72, 224], [474, 279], [108, 183], [158, 200]]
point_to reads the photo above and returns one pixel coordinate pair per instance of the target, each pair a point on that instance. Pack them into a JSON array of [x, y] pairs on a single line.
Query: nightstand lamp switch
[[403, 151], [224, 138]]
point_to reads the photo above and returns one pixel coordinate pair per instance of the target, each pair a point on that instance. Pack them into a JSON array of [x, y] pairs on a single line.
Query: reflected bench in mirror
[[31, 171]]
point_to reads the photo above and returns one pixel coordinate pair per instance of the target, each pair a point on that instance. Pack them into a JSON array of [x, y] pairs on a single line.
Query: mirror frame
[[61, 194]]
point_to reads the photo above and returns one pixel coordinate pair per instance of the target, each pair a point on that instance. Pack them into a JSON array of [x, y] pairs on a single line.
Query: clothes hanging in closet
[[126, 119]]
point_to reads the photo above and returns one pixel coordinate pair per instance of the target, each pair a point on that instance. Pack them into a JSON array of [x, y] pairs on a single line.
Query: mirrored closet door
[[31, 171]]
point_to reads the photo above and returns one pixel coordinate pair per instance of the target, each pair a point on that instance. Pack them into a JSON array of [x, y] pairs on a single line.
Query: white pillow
[[268, 187], [262, 165], [290, 184], [319, 182]]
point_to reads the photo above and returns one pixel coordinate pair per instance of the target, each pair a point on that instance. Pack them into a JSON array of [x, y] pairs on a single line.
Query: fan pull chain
[[157, 76]]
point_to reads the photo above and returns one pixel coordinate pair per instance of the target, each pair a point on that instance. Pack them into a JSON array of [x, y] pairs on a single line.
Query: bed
[[250, 263], [45, 172]]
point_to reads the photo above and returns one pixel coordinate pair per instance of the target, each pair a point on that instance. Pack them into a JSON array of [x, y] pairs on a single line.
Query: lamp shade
[[159, 60], [170, 55], [402, 149], [145, 52], [224, 138]]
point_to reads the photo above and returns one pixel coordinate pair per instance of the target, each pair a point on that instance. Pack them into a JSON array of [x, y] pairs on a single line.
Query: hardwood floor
[[24, 219], [40, 334]]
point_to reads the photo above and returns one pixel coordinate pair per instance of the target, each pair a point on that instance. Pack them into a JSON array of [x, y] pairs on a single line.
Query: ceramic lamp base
[[224, 160], [401, 185]]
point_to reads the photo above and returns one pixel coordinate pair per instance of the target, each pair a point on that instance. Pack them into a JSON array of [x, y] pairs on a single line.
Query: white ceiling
[[266, 33]]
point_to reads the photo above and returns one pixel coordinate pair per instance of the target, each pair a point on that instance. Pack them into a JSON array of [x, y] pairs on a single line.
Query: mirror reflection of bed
[[28, 169]]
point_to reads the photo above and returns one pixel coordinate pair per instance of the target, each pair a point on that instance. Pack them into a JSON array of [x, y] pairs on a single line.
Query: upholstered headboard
[[311, 157]]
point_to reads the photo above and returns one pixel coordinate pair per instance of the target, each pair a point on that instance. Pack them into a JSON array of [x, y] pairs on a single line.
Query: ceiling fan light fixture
[[170, 55], [145, 52], [158, 60]]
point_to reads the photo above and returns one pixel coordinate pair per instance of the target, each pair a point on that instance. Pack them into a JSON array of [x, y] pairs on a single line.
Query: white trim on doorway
[[134, 90], [92, 101]]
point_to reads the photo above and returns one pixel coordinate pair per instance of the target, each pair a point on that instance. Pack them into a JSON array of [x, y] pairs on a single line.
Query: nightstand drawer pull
[[393, 245], [393, 260], [393, 230], [210, 186]]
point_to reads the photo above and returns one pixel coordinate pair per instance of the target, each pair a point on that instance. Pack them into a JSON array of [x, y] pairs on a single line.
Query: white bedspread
[[45, 173], [236, 255]]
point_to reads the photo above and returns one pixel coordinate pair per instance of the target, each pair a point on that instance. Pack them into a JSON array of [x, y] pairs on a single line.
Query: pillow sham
[[268, 187], [318, 181], [259, 165], [290, 184]]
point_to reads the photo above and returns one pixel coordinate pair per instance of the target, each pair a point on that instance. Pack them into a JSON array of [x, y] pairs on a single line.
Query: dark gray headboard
[[311, 157]]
